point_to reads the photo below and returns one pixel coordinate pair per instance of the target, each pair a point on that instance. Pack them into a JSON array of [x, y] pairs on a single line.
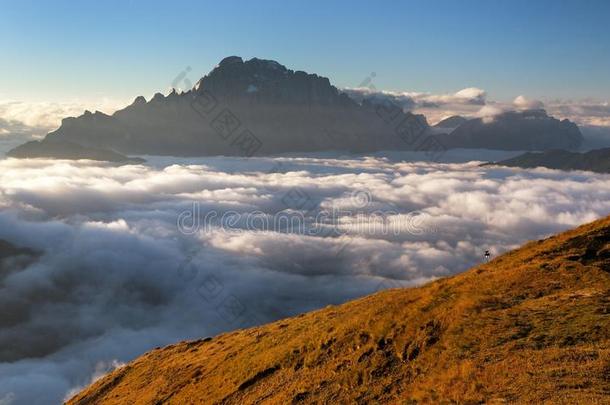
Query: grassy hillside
[[531, 326]]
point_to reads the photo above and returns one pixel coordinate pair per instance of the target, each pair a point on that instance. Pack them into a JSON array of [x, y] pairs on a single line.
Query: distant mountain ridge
[[259, 107], [597, 160], [451, 122], [531, 130]]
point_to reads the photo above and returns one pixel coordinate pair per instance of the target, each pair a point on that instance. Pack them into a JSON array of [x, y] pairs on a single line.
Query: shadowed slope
[[68, 150], [531, 326], [516, 130], [597, 160]]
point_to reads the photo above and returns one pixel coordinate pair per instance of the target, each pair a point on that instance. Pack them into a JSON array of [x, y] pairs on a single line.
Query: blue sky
[[543, 49]]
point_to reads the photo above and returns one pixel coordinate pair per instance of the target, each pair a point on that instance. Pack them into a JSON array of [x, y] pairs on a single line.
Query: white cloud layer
[[116, 276]]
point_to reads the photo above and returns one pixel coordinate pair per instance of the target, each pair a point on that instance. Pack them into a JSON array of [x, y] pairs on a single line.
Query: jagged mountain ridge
[[259, 107], [530, 326], [256, 103]]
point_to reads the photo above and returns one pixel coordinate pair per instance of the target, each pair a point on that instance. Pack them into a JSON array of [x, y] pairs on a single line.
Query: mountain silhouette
[[531, 130], [256, 107], [259, 107]]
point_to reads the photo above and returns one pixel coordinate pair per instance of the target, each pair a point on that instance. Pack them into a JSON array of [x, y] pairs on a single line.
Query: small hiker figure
[[487, 255]]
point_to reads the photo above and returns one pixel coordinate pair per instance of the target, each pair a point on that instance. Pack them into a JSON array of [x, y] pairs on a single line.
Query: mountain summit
[[531, 326], [268, 82]]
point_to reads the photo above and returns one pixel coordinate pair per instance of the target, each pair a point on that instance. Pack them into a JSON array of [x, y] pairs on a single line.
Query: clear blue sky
[[62, 49]]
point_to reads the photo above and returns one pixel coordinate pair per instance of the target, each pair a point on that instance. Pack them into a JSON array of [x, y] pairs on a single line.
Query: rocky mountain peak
[[229, 60], [269, 82], [140, 100], [157, 97]]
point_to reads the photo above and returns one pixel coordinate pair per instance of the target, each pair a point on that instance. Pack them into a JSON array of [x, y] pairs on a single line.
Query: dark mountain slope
[[515, 130], [58, 149], [596, 160]]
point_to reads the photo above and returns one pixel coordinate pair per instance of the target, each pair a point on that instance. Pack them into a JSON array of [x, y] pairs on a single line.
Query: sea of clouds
[[129, 261]]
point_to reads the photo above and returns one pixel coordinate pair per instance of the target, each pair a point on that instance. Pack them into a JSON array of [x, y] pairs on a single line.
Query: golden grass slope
[[530, 327]]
